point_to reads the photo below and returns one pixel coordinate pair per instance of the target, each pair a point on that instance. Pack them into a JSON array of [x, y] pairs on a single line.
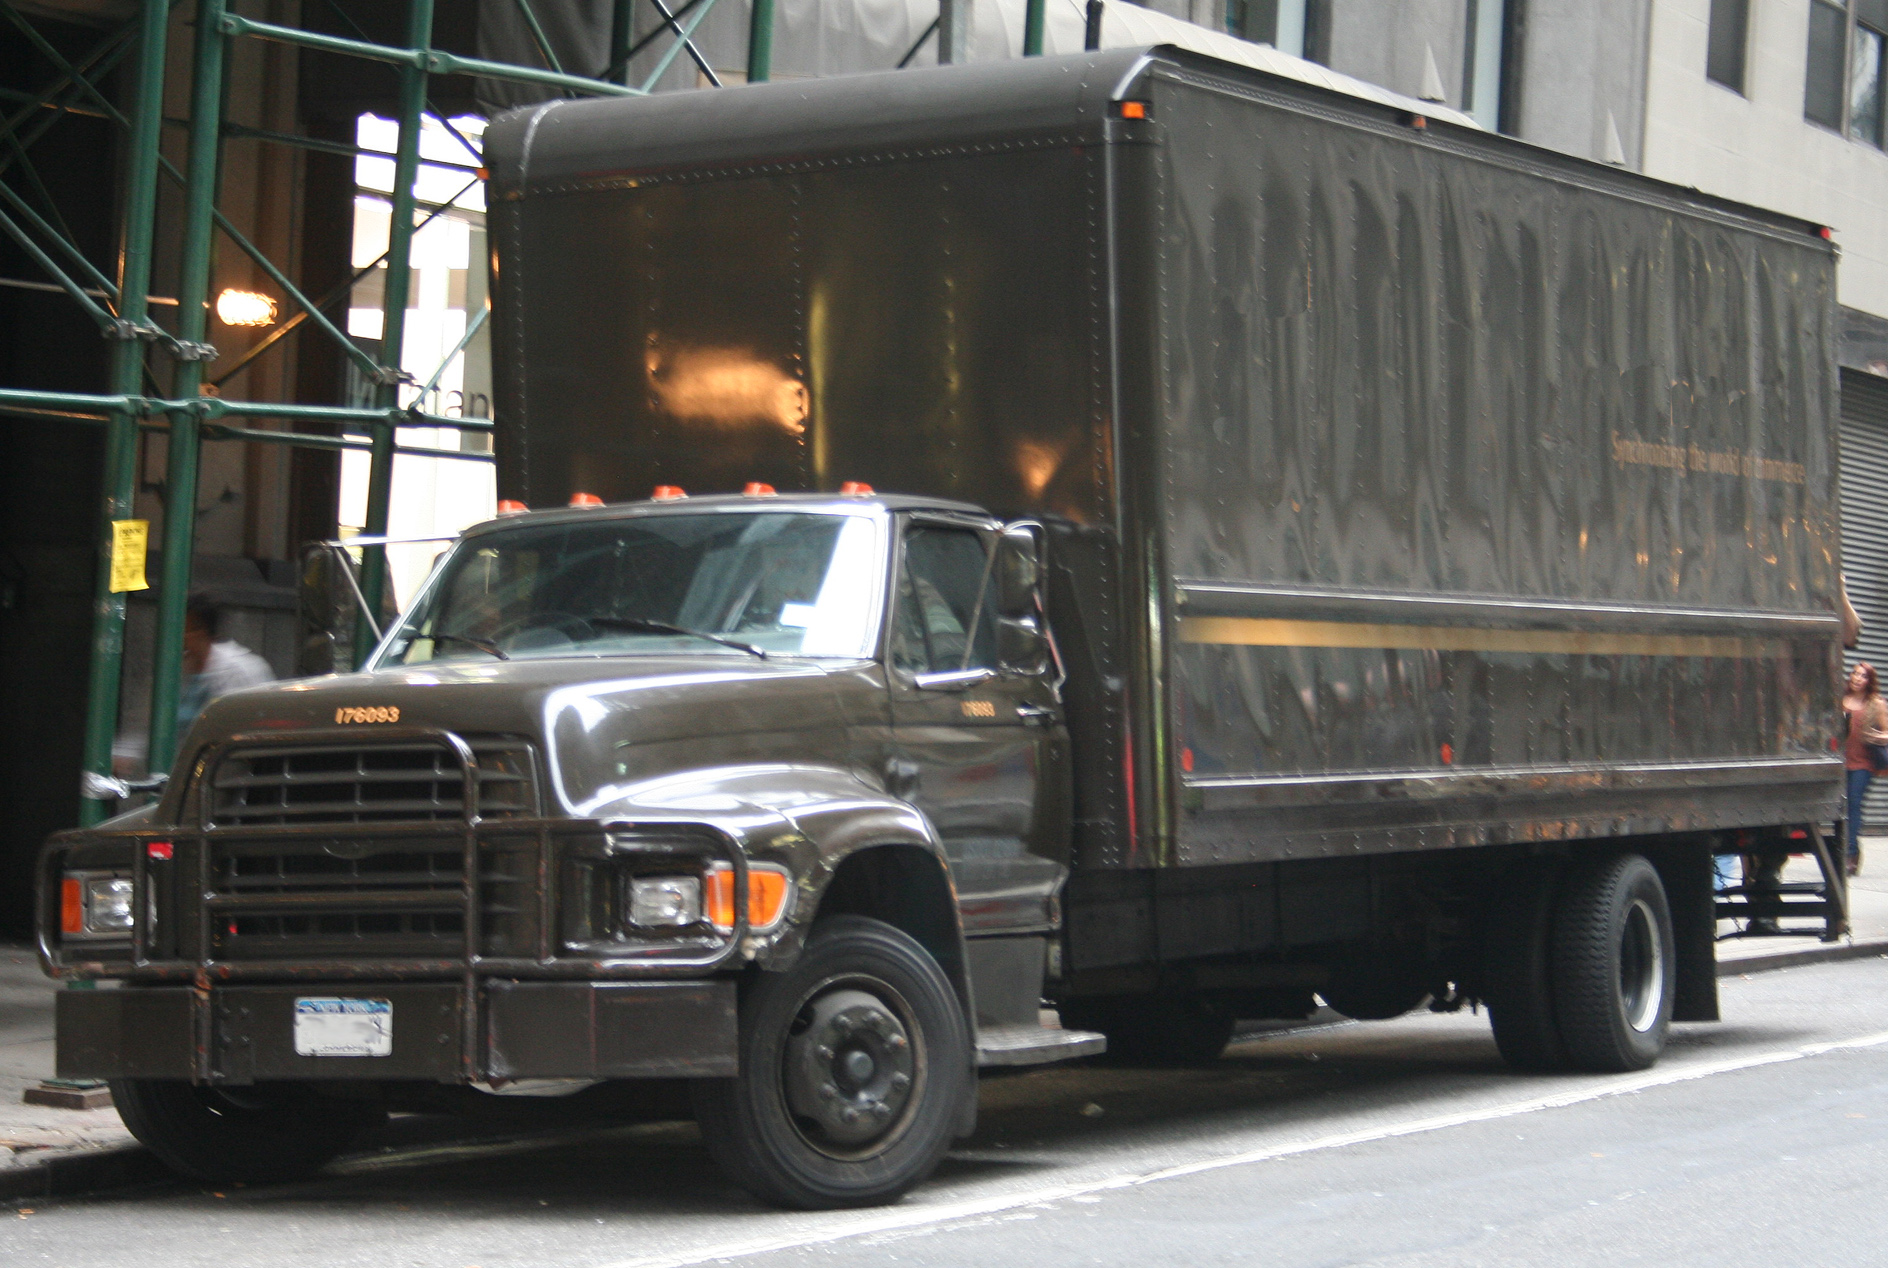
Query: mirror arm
[[953, 680]]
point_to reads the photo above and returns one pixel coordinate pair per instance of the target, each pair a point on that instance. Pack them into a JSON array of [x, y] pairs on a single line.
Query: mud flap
[[1684, 867]]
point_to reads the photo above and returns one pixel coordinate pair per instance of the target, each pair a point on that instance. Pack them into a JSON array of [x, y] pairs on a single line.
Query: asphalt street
[[1758, 1140]]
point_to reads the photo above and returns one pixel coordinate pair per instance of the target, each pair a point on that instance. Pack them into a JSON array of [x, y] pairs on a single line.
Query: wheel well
[[905, 887]]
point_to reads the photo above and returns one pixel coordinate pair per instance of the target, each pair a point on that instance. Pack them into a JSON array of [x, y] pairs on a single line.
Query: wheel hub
[[1641, 967], [849, 1067]]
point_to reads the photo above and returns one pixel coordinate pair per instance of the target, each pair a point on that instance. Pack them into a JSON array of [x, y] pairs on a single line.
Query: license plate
[[343, 1028]]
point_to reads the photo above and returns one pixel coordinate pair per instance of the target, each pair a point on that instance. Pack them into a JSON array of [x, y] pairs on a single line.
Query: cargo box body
[[1407, 487]]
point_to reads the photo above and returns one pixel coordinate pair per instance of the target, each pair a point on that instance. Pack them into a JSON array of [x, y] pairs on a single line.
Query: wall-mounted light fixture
[[244, 308]]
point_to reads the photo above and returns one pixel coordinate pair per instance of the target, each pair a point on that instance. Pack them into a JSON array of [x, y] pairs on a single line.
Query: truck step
[[1035, 1045], [1753, 908]]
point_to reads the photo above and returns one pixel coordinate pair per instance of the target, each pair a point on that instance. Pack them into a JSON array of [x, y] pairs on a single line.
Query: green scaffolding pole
[[121, 431], [186, 439], [760, 42], [406, 167]]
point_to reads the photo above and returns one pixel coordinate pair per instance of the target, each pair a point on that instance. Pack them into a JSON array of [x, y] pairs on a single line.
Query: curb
[[83, 1171], [1824, 954]]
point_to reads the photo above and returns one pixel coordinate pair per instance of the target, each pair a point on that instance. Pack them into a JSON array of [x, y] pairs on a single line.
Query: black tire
[[855, 1064], [1614, 965], [1518, 984], [262, 1134], [1167, 1031]]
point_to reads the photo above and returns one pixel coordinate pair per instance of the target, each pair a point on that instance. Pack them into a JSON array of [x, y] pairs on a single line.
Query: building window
[[1255, 20], [1865, 84], [1487, 37], [1828, 46], [1317, 31], [1846, 84], [1727, 42], [1299, 27]]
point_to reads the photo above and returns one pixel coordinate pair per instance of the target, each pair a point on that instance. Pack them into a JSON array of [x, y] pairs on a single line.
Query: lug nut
[[827, 1091]]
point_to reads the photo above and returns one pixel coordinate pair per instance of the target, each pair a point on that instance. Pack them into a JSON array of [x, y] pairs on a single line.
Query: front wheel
[[261, 1134], [855, 1064]]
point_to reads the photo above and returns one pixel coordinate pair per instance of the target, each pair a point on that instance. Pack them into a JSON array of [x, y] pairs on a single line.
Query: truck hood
[[598, 722]]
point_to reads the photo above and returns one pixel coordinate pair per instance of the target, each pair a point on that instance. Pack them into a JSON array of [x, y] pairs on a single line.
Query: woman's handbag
[[1877, 754]]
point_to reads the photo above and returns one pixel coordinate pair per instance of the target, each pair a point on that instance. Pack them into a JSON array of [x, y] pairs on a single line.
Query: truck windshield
[[779, 582]]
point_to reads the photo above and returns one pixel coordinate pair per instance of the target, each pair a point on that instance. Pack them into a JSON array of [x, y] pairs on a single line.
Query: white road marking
[[915, 1216]]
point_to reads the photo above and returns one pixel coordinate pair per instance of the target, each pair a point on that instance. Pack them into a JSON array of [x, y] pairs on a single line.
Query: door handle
[[901, 777], [1036, 714]]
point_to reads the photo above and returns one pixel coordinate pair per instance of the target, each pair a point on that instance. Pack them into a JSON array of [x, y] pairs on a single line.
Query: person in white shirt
[[212, 668]]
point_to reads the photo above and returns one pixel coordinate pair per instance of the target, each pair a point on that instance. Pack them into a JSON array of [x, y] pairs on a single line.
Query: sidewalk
[[48, 1152], [37, 1143]]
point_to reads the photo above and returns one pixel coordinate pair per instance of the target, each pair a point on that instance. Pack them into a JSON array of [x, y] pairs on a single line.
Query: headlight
[[95, 905], [655, 901], [671, 901]]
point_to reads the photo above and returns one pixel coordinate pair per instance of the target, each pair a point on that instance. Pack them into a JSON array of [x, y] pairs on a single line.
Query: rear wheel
[[260, 1134], [1614, 965], [1153, 1030], [854, 1066], [1518, 984]]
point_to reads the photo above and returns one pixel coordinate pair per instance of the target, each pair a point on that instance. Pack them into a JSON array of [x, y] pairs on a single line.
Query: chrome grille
[[300, 897], [408, 781]]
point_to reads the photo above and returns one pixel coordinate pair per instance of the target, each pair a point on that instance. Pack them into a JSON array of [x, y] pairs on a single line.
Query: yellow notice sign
[[128, 541]]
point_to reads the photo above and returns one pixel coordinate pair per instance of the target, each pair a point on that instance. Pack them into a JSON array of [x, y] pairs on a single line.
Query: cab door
[[979, 747]]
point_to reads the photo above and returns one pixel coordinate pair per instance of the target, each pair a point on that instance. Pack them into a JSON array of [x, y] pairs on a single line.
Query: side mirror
[[1018, 573], [1020, 645]]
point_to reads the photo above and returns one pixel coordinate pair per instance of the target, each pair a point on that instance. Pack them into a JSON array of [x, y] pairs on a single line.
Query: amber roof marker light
[[668, 493], [585, 499], [855, 489]]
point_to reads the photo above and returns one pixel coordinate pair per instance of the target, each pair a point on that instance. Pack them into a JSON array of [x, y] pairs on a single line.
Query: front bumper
[[239, 1034]]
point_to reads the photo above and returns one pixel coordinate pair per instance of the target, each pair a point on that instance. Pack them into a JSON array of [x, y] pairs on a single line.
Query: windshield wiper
[[663, 627], [485, 645]]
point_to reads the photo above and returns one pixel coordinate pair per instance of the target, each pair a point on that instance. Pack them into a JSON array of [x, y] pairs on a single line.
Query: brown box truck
[[1318, 552]]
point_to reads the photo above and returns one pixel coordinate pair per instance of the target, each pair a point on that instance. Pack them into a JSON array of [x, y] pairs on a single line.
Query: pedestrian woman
[[1865, 714]]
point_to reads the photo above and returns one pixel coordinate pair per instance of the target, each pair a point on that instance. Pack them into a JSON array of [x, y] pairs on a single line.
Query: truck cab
[[613, 763]]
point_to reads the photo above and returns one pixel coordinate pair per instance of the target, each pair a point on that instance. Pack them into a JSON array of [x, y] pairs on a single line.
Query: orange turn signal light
[[768, 890], [855, 489], [585, 499], [1133, 110], [668, 493], [71, 907]]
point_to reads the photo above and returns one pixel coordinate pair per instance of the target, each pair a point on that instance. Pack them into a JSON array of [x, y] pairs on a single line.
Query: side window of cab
[[944, 621]]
